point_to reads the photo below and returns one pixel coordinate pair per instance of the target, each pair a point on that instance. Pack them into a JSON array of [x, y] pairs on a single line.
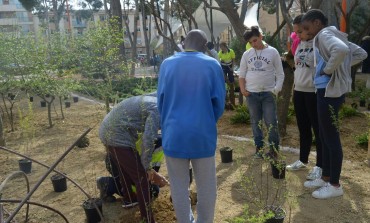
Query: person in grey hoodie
[[305, 103], [130, 120], [333, 57]]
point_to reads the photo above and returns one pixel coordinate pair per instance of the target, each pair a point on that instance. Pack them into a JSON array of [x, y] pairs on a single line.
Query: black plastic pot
[[25, 165], [43, 103], [226, 154], [68, 104], [31, 99], [92, 215], [362, 103], [278, 169], [59, 183], [279, 214], [75, 99]]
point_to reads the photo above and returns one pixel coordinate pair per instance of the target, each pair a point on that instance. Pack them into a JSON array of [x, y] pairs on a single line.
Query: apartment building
[[13, 17]]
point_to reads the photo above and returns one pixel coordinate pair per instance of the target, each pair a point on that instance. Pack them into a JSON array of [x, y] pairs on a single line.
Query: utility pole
[[69, 19]]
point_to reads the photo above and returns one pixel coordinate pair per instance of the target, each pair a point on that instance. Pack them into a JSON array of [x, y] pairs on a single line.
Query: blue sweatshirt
[[191, 98], [321, 80]]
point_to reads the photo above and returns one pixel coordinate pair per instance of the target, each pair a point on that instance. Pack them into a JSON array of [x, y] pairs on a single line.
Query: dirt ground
[[85, 165]]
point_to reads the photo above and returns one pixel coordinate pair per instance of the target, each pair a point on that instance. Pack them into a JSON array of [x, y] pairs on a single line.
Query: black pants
[[228, 73], [328, 109], [305, 106]]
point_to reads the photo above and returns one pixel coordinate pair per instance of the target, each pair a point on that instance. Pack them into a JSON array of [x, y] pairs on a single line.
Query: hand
[[275, 91], [244, 92]]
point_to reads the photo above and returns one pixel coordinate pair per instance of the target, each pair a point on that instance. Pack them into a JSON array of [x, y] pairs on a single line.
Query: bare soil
[[86, 164]]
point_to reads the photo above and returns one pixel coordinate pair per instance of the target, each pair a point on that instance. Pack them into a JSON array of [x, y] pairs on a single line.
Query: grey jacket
[[339, 55], [129, 119], [304, 70]]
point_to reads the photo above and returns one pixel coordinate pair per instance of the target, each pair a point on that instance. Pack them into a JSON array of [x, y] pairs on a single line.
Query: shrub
[[347, 111], [241, 115], [363, 139], [291, 113], [83, 142]]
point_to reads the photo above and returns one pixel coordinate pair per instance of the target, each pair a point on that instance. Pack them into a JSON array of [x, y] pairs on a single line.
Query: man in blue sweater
[[191, 98]]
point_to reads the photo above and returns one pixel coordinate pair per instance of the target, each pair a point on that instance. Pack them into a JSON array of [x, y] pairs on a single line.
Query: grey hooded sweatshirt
[[124, 124], [339, 55], [304, 70]]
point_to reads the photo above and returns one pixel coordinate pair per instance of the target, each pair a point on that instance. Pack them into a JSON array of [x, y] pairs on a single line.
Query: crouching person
[[120, 130], [111, 185]]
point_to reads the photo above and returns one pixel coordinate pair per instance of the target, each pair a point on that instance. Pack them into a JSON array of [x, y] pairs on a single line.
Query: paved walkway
[[145, 72]]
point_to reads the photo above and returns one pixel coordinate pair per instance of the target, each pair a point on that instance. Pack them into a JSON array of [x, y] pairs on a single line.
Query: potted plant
[[59, 182], [26, 122], [362, 100], [226, 154], [264, 191], [92, 206]]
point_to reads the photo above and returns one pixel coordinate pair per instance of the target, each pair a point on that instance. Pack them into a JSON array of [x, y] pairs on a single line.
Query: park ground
[[86, 164]]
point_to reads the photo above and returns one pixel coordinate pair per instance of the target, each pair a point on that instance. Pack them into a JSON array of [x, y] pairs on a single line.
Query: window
[[6, 2]]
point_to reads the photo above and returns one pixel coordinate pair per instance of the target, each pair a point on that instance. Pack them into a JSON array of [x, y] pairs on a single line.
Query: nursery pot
[[92, 214], [278, 169], [25, 165], [226, 154], [68, 104], [279, 214], [75, 99], [43, 103], [59, 183], [31, 99], [362, 103]]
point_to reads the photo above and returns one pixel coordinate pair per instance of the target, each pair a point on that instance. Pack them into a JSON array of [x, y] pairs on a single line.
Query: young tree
[[100, 59]]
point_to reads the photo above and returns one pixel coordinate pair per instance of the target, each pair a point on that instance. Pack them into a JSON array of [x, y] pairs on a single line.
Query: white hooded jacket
[[339, 55]]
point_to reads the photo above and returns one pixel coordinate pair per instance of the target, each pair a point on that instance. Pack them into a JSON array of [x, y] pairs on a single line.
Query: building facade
[[13, 17]]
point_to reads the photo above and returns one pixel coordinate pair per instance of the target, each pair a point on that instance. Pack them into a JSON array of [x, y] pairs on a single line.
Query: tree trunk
[[227, 7], [116, 10], [329, 8], [49, 111], [61, 106], [284, 98], [167, 49], [2, 137], [145, 30]]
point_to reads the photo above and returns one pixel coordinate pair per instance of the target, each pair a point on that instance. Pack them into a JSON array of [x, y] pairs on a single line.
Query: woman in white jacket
[[333, 57]]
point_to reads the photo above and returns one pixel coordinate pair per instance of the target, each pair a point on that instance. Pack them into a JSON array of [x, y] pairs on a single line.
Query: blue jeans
[[263, 105], [327, 110]]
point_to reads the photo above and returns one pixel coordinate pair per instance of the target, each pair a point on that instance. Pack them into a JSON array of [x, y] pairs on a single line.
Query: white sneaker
[[328, 191], [315, 173], [296, 165], [314, 183]]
